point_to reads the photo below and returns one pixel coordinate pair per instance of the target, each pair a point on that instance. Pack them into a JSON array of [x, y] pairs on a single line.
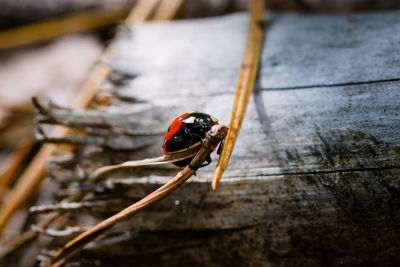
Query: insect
[[186, 130]]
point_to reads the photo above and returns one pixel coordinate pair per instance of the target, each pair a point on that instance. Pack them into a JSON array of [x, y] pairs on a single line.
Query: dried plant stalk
[[45, 31], [142, 11], [168, 158], [32, 176], [13, 162], [245, 85], [168, 9], [29, 235], [214, 136], [26, 185]]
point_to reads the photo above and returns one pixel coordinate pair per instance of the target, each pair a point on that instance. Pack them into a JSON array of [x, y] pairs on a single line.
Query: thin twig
[[26, 185], [168, 10], [245, 85], [168, 158], [142, 11], [214, 136], [32, 234], [33, 174], [12, 164], [16, 243], [45, 31]]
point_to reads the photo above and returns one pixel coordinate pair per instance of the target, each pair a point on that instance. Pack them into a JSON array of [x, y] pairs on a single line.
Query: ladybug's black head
[[196, 124]]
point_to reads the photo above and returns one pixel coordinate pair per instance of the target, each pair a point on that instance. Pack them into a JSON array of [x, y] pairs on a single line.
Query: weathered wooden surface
[[314, 176], [320, 115]]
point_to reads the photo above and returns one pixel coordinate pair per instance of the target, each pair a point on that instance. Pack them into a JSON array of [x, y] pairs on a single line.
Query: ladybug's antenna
[[244, 88]]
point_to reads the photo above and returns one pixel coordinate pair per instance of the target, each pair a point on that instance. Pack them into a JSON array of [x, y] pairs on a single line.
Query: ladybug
[[186, 130]]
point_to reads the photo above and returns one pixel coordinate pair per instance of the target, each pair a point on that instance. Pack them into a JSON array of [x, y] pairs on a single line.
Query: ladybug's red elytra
[[186, 130]]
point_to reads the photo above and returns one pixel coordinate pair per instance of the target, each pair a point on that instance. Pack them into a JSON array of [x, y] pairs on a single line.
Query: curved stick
[[168, 158]]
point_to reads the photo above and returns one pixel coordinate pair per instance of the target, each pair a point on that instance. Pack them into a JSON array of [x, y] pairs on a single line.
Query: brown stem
[[45, 31], [245, 85]]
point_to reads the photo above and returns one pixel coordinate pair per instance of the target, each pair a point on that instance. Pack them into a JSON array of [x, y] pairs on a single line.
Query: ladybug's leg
[[208, 161], [221, 145]]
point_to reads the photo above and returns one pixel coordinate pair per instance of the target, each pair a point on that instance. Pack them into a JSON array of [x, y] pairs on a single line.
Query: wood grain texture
[[314, 176], [332, 123], [311, 219], [299, 51]]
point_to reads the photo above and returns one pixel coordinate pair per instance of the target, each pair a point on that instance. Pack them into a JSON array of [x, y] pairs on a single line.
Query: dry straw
[[245, 85]]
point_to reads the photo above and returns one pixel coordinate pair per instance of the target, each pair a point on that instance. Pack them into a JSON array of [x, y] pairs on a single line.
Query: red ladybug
[[186, 130]]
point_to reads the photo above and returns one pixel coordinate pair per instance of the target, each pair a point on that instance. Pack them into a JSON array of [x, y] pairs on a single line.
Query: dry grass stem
[[45, 31], [32, 176], [6, 249], [26, 185], [168, 9], [168, 158], [214, 136], [16, 243], [142, 11], [11, 166], [245, 85]]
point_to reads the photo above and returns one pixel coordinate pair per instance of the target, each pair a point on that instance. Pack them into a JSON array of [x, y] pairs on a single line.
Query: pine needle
[[168, 158], [167, 10], [12, 165], [48, 30], [142, 11], [25, 237], [245, 85]]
